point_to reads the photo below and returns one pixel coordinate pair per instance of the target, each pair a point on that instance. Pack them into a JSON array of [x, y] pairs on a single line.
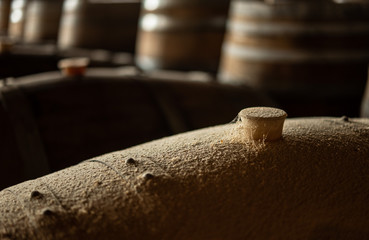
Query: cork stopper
[[263, 123], [73, 66], [6, 45]]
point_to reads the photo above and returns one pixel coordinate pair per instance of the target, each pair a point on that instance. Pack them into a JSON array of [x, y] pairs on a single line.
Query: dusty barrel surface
[[207, 184], [50, 121], [4, 16], [42, 21], [181, 35], [309, 55], [17, 19], [110, 25]]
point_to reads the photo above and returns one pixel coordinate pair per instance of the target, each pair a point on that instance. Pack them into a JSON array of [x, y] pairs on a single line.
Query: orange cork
[[73, 66], [6, 45]]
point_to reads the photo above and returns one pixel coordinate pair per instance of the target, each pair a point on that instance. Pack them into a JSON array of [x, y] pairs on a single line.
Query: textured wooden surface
[[181, 35], [206, 184], [42, 21], [311, 57], [99, 25]]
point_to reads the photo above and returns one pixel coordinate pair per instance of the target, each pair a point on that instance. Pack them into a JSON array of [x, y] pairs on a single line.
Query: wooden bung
[[263, 123], [5, 45], [73, 66]]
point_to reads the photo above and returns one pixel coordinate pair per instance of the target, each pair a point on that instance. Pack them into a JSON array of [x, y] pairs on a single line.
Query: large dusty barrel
[[311, 56], [99, 24], [42, 21], [4, 16], [65, 120], [207, 184], [181, 35], [17, 19]]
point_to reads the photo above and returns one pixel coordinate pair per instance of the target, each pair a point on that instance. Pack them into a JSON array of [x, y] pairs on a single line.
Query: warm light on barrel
[[16, 16], [151, 5], [70, 5], [149, 22], [17, 13]]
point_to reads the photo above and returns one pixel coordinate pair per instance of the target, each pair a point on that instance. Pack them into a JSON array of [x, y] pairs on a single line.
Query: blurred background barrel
[[181, 35], [64, 120], [110, 24], [4, 16], [17, 19], [42, 21], [310, 56], [26, 59]]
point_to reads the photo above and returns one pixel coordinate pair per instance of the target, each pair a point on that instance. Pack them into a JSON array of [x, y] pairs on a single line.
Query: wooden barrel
[[181, 35], [207, 184], [26, 59], [311, 57], [110, 25], [42, 21], [66, 120], [4, 16], [17, 19]]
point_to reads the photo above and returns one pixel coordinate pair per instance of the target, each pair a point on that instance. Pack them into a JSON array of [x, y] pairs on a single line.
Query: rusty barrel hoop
[[42, 21], [299, 48], [181, 35], [110, 25]]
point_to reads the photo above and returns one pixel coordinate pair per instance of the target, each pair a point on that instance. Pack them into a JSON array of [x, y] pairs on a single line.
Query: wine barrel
[[311, 57], [181, 35], [26, 59], [69, 119], [207, 184], [110, 25], [42, 21], [4, 16], [17, 19]]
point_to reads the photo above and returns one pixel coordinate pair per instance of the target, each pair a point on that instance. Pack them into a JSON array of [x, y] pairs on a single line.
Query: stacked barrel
[[110, 25], [35, 21], [41, 32], [4, 16], [42, 21], [181, 35], [310, 56], [17, 19]]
